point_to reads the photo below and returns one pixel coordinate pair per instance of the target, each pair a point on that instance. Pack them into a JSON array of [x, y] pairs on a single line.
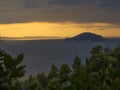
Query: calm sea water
[[39, 55]]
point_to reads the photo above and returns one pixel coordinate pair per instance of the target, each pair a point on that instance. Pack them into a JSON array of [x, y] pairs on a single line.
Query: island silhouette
[[86, 36]]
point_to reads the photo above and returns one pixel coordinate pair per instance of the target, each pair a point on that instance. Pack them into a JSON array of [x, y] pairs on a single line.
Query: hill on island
[[86, 36]]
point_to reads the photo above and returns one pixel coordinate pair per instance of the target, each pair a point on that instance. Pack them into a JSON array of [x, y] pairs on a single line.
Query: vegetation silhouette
[[99, 72]]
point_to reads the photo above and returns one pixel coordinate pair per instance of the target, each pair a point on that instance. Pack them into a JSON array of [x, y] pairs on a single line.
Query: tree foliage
[[101, 71], [53, 73], [10, 70]]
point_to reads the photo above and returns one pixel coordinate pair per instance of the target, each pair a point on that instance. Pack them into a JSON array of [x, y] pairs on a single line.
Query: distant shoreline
[[29, 38], [40, 38]]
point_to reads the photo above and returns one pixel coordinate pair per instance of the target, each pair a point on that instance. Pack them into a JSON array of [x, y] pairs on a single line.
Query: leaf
[[18, 72], [3, 74], [8, 61], [18, 60]]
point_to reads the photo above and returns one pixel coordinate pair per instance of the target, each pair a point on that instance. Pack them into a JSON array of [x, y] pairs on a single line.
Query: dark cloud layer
[[30, 3], [66, 2], [113, 4], [81, 11]]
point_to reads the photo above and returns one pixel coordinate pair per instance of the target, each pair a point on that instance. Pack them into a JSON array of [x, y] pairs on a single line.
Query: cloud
[[80, 11], [30, 3], [66, 2], [113, 4]]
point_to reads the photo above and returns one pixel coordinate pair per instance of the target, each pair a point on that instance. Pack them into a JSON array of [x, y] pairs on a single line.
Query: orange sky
[[67, 29]]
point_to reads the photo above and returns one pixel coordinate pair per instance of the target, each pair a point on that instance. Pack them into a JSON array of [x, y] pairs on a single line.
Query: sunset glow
[[62, 30]]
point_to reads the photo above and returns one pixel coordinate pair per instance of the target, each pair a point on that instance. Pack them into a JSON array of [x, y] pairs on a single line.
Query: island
[[86, 36]]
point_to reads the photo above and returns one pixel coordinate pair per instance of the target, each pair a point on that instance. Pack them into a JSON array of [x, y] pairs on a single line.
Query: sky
[[59, 18]]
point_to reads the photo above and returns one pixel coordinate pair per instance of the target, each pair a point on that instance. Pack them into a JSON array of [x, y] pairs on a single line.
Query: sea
[[39, 55]]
